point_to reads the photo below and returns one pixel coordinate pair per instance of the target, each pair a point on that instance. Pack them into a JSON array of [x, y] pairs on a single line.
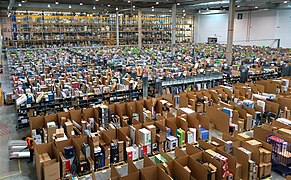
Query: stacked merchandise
[[226, 174], [281, 157], [204, 133]]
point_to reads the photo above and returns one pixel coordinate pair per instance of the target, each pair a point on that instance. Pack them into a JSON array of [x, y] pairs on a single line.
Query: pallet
[[267, 177], [281, 169], [119, 163], [102, 169]]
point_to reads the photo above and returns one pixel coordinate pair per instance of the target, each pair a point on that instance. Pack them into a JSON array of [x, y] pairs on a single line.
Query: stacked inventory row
[[39, 30], [82, 141]]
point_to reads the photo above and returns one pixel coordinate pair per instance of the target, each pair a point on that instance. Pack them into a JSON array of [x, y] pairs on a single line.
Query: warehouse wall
[[257, 27]]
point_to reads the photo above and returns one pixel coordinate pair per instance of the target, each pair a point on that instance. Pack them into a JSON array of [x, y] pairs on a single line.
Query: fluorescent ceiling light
[[285, 2], [19, 5], [178, 4], [70, 6], [57, 2]]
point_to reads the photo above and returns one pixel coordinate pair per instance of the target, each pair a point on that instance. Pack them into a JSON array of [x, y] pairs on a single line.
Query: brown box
[[153, 129], [46, 157], [120, 146], [199, 108], [261, 170], [242, 137], [248, 122], [50, 132], [161, 137], [107, 161], [283, 131], [267, 156], [267, 169], [240, 126], [51, 170], [254, 143], [121, 156]]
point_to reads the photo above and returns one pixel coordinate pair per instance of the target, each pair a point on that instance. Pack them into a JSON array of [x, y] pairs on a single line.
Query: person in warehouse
[[29, 142]]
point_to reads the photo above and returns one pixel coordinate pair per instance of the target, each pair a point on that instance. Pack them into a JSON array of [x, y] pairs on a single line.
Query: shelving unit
[[128, 29], [184, 28], [156, 28], [48, 29]]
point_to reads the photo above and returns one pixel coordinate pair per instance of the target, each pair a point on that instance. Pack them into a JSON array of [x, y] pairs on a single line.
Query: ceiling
[[189, 6]]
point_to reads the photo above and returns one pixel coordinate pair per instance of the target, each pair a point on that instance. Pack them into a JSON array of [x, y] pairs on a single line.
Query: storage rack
[[281, 156], [48, 29], [208, 80], [128, 29], [156, 28], [184, 28]]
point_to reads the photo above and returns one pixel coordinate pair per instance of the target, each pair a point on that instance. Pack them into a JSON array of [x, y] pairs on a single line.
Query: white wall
[[259, 27]]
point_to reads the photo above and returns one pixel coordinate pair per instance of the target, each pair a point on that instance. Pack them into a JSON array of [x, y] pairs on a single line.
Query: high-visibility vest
[[28, 140]]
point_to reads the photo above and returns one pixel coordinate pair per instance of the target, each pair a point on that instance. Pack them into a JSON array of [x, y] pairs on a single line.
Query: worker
[[29, 142]]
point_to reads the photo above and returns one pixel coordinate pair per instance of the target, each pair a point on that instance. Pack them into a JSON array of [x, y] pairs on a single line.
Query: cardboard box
[[240, 126], [153, 130], [267, 155], [161, 137], [242, 137], [267, 169], [261, 170], [248, 122], [46, 157], [51, 170], [283, 131], [254, 143]]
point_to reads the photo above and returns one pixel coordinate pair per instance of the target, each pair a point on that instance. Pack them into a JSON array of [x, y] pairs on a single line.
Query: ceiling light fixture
[[238, 6], [97, 0], [207, 8], [94, 7], [285, 2], [81, 4], [157, 2], [128, 1], [183, 10], [256, 7], [108, 5], [19, 5], [23, 1], [178, 4], [116, 8], [70, 6], [133, 6], [57, 2], [48, 5], [153, 9]]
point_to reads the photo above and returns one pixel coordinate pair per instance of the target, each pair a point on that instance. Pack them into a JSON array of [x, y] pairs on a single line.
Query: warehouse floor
[[19, 169]]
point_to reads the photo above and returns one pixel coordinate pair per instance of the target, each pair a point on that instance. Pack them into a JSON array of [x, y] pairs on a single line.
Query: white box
[[132, 134], [172, 142], [144, 136], [193, 130]]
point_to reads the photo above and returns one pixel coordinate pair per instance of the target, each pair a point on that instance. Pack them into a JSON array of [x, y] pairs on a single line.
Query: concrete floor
[[19, 169]]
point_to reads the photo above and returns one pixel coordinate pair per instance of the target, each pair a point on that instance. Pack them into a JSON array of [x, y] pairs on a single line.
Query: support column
[[230, 31], [145, 85], [174, 22], [117, 29], [139, 30]]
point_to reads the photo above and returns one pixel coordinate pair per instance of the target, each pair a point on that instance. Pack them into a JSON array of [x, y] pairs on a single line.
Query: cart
[[16, 149], [281, 155]]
